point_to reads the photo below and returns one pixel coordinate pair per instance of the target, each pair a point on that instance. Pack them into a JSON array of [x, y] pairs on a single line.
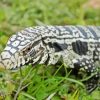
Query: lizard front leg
[[89, 67]]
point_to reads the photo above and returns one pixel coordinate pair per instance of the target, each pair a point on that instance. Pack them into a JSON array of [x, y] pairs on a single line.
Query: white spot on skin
[[96, 76], [92, 61], [71, 65], [13, 38], [83, 63], [13, 50], [7, 48], [92, 71], [96, 57], [86, 67], [20, 47], [23, 43], [5, 55], [20, 38], [74, 61], [44, 58], [87, 61], [90, 66], [91, 40], [36, 59], [12, 66], [15, 43]]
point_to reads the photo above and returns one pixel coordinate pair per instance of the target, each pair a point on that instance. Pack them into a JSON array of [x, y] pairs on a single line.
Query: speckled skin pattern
[[78, 46]]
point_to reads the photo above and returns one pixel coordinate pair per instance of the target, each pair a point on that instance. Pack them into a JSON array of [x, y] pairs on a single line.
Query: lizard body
[[78, 46]]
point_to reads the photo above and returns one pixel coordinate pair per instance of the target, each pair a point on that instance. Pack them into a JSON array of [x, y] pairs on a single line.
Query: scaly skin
[[78, 46]]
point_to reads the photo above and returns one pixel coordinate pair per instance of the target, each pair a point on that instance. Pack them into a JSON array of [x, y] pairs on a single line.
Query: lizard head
[[22, 48]]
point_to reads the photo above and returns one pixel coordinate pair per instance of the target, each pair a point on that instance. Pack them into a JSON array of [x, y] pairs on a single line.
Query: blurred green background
[[18, 14]]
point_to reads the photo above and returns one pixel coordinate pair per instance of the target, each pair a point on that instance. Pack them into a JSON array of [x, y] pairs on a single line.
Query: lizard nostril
[[29, 49]]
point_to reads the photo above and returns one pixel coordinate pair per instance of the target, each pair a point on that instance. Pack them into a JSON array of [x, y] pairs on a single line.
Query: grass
[[43, 82], [39, 84]]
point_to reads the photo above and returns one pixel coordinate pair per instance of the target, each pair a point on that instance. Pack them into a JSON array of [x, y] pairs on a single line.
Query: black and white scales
[[76, 45]]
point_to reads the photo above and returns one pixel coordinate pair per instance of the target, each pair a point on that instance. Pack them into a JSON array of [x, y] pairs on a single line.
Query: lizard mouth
[[2, 67]]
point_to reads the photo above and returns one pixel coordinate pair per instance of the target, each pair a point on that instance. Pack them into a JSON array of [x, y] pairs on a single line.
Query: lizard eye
[[26, 51]]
